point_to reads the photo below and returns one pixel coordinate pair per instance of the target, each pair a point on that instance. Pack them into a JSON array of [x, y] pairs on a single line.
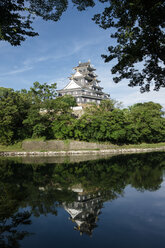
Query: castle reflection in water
[[84, 211]]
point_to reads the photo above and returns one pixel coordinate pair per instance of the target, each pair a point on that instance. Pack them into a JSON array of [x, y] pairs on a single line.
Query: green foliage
[[140, 123], [42, 92], [48, 116], [4, 91], [109, 105], [102, 126], [17, 16], [13, 110], [147, 120], [38, 113], [62, 124], [35, 113], [62, 127], [138, 27], [68, 100]]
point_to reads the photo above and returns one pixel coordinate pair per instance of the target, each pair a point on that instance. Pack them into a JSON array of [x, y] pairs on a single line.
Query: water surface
[[113, 202]]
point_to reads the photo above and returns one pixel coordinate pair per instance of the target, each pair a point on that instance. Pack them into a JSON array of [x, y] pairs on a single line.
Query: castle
[[84, 85]]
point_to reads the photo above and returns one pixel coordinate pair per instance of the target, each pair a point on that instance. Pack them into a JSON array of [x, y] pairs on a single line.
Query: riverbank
[[71, 147]]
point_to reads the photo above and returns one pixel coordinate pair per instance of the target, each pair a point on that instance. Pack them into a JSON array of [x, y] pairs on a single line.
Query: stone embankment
[[60, 145], [82, 152]]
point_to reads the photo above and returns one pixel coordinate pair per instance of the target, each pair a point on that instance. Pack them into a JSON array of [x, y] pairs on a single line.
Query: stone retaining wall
[[81, 152], [59, 145]]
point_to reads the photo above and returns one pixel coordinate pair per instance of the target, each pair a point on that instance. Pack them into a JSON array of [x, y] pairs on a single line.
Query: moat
[[114, 202]]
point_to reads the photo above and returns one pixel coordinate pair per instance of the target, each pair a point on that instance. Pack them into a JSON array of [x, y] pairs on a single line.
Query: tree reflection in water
[[81, 188], [10, 235]]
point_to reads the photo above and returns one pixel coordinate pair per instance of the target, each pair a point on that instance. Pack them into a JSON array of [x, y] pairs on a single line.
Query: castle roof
[[85, 64], [84, 84]]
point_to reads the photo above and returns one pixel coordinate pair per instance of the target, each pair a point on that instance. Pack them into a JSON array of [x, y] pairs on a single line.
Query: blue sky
[[59, 47]]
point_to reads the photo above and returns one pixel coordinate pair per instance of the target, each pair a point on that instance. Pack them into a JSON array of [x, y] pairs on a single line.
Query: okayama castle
[[84, 85]]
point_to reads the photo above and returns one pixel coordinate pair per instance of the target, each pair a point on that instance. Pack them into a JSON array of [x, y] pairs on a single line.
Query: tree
[[101, 123], [147, 122], [14, 107], [109, 105], [16, 16], [43, 92], [41, 111], [4, 91], [48, 116], [63, 119], [139, 31], [11, 234]]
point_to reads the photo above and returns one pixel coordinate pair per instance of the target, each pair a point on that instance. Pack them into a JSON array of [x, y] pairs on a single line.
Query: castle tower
[[84, 85]]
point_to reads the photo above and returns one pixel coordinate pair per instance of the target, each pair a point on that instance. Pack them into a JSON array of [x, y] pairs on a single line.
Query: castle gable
[[72, 85], [78, 74]]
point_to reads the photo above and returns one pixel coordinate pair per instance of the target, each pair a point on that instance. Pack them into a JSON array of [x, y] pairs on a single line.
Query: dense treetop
[[39, 113]]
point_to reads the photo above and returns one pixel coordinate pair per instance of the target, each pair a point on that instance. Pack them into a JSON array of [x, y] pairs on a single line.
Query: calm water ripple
[[115, 202]]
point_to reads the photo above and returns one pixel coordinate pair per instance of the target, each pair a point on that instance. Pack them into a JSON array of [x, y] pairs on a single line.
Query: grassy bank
[[18, 146]]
